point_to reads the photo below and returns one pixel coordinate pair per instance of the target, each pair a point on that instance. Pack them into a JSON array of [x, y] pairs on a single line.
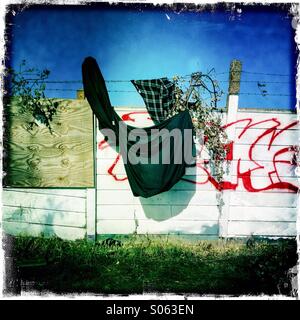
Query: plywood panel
[[38, 158]]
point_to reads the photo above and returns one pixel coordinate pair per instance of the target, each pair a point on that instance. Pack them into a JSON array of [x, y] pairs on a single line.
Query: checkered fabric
[[158, 95]]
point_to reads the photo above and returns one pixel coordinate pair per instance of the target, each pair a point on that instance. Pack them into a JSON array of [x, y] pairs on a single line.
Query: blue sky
[[135, 43]]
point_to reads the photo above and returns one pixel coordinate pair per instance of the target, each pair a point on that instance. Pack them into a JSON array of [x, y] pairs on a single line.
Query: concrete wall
[[60, 212], [260, 190]]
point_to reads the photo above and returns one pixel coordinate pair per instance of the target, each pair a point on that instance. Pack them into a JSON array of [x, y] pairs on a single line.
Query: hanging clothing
[[146, 179], [158, 95]]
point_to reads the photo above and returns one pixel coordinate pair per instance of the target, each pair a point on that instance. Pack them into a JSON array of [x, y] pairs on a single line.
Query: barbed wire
[[220, 81], [52, 89], [57, 89], [268, 74], [256, 73], [185, 76], [258, 82], [132, 91], [266, 94], [117, 81]]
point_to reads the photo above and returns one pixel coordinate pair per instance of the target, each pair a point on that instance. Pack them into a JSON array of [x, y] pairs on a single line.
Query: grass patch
[[155, 264]]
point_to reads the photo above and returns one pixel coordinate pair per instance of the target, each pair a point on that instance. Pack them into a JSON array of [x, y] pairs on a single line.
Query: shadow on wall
[[205, 231], [21, 220], [160, 207], [188, 229]]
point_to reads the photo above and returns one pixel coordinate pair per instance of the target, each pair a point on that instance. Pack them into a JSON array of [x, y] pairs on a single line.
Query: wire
[[257, 73], [122, 91], [268, 74], [186, 76], [256, 81], [132, 91], [64, 81], [266, 94], [61, 89], [56, 89], [70, 81], [117, 80]]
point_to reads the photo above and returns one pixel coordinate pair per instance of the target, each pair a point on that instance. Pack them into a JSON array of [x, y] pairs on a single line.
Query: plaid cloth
[[158, 95]]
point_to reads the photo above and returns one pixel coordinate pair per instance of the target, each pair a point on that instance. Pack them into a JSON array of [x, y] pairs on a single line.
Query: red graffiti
[[110, 171], [254, 139], [127, 116]]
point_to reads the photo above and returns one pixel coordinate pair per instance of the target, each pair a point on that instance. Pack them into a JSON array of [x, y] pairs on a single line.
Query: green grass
[[155, 264]]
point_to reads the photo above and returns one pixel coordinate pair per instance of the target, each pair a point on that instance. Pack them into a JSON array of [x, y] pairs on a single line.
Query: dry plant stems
[[200, 95], [28, 86]]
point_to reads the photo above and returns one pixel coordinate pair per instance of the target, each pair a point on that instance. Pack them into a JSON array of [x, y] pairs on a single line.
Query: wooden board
[[37, 158]]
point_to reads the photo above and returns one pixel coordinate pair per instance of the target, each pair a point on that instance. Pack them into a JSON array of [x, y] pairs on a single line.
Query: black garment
[[149, 179]]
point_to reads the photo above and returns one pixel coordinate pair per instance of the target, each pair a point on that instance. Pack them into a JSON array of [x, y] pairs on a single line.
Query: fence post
[[232, 109], [80, 94], [91, 194], [91, 213]]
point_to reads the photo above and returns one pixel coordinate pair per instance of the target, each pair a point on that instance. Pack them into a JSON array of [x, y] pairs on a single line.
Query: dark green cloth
[[145, 180]]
